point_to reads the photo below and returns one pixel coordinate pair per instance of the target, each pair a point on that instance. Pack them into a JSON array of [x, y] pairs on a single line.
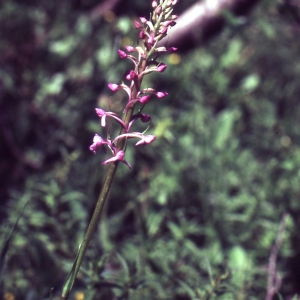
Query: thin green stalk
[[99, 206]]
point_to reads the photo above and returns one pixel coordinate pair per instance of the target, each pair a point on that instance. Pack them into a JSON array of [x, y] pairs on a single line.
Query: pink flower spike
[[122, 54], [130, 49], [118, 157], [97, 142], [147, 139], [145, 99], [161, 94], [161, 68], [137, 25], [102, 114], [143, 20], [114, 87]]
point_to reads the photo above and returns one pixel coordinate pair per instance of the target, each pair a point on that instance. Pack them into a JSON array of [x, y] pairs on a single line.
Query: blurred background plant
[[205, 200]]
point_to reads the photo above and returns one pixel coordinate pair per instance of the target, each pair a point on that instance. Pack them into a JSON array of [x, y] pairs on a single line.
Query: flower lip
[[118, 157], [97, 142]]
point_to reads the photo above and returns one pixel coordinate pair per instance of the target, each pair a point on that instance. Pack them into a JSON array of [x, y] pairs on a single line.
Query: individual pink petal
[[145, 118], [166, 23], [118, 157], [161, 94], [142, 35], [161, 68], [131, 76], [163, 30], [160, 49], [171, 49], [102, 114], [145, 99], [137, 25], [130, 48], [122, 54], [154, 4], [159, 10], [114, 87], [97, 142], [151, 40], [147, 139], [143, 20]]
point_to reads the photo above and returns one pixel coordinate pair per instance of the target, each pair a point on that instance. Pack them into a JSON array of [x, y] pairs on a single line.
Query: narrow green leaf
[[70, 278], [7, 240]]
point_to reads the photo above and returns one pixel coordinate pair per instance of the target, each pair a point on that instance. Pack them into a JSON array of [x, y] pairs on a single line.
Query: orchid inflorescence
[[145, 62]]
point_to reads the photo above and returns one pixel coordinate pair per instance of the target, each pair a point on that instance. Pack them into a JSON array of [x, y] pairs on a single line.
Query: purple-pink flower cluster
[[144, 57]]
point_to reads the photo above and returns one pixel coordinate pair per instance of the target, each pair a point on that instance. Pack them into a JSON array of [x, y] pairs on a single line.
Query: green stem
[[101, 200]]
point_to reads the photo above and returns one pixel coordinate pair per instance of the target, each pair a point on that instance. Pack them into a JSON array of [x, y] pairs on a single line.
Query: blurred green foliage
[[199, 212]]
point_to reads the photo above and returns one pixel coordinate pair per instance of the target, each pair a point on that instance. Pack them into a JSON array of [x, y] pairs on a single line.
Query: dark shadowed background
[[199, 213]]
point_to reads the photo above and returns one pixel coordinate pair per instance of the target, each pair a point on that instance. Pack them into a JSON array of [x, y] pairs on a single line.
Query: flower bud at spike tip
[[154, 4], [122, 54]]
